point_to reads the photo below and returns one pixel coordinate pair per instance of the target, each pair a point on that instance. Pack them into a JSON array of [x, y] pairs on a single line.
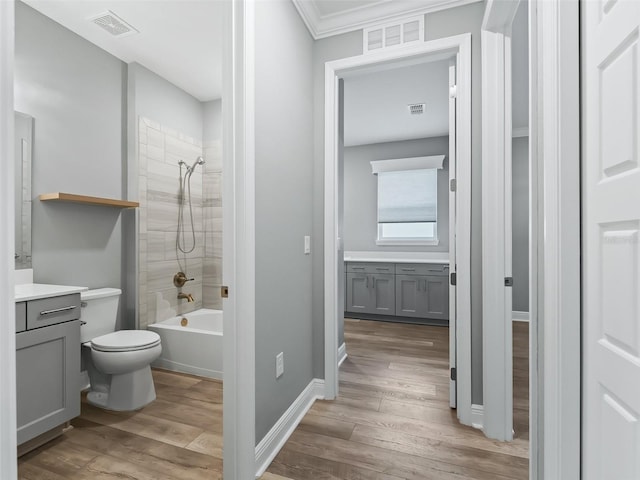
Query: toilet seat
[[125, 341]]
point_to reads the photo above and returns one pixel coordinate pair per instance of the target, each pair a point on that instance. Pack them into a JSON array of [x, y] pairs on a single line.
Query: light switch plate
[[279, 364], [307, 244]]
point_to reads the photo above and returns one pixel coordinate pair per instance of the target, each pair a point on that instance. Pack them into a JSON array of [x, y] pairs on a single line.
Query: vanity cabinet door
[[436, 293], [411, 300], [358, 293], [383, 300], [47, 378]]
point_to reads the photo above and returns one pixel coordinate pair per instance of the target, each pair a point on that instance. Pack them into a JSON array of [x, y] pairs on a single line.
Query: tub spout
[[186, 296]]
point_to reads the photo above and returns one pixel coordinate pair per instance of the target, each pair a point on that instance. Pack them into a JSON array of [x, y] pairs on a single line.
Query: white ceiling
[[331, 17], [375, 104], [180, 40]]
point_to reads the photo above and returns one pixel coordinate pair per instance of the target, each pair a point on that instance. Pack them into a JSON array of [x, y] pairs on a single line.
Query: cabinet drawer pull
[[57, 310], [358, 268], [384, 269], [408, 269]]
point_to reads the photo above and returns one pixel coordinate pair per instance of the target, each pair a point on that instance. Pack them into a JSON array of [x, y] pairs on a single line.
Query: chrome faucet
[[186, 296]]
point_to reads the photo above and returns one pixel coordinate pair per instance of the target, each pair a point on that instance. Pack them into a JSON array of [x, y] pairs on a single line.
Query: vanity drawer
[[49, 311], [21, 317], [373, 267], [422, 269]]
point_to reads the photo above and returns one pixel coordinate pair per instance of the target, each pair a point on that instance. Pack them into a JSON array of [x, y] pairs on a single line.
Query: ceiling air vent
[[113, 24], [416, 108], [395, 34]]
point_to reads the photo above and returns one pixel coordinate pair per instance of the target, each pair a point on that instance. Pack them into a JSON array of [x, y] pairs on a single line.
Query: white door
[[453, 392], [611, 236]]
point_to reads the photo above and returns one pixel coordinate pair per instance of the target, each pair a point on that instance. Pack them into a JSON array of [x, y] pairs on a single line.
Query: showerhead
[[199, 161]]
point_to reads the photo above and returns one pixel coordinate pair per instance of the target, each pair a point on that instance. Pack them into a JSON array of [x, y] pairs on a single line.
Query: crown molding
[[322, 26]]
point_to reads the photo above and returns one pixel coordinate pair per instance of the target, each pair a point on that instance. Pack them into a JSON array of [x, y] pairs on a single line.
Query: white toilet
[[117, 362]]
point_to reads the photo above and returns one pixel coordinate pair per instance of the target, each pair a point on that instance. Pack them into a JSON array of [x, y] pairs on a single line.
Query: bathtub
[[195, 348]]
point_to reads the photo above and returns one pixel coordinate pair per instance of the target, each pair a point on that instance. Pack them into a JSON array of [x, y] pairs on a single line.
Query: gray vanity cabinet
[[383, 298], [48, 368], [358, 293]]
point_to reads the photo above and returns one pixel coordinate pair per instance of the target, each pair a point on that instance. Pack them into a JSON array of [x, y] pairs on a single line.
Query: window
[[407, 201]]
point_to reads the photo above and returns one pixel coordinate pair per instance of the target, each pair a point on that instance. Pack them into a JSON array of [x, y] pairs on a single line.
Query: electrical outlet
[[307, 244], [279, 364]]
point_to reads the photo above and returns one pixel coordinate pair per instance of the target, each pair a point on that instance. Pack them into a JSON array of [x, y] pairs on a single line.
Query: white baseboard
[[275, 439], [477, 416], [520, 316], [342, 354]]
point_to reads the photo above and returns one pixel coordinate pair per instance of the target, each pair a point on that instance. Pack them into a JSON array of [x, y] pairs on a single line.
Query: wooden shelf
[[70, 197]]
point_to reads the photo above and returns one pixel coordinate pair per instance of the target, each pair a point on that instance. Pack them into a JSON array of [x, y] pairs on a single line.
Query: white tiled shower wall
[[160, 150]]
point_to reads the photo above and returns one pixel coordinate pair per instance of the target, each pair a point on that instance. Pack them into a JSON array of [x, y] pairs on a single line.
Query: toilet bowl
[[118, 362]]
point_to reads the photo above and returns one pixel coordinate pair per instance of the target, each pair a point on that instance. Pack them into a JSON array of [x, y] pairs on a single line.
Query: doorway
[[456, 49]]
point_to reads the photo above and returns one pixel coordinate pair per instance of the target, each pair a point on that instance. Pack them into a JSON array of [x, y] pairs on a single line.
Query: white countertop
[[34, 291], [397, 257]]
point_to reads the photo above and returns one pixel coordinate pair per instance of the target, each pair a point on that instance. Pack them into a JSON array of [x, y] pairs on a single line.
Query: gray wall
[[520, 224], [361, 193], [284, 170], [212, 120], [441, 24], [163, 102], [76, 93]]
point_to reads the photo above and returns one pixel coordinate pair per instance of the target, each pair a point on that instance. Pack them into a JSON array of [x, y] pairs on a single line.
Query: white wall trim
[[275, 438], [555, 234], [458, 47], [520, 316], [367, 16], [8, 452], [238, 262], [342, 354], [477, 416]]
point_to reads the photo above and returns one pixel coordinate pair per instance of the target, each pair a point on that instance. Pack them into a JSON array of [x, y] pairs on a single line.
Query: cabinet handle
[[366, 285], [358, 268], [382, 269], [408, 269], [57, 310]]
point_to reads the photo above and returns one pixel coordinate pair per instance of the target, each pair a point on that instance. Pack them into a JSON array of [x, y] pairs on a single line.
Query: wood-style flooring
[[392, 419], [177, 437]]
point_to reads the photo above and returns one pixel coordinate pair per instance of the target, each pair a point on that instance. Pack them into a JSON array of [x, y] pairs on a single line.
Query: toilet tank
[[100, 311]]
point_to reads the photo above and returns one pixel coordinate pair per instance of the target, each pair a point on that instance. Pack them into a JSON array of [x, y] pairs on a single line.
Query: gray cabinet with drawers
[[419, 291], [47, 364]]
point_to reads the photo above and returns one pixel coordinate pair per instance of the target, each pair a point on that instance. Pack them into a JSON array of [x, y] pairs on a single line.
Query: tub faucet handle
[[179, 279]]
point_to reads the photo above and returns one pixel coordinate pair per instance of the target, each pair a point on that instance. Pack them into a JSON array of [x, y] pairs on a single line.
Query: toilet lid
[[125, 340]]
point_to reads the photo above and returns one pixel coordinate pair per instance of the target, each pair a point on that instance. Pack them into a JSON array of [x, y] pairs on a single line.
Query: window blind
[[408, 196]]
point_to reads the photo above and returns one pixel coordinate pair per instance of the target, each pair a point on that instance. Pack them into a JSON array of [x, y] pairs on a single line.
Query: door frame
[[497, 332], [238, 113], [555, 288], [554, 263], [8, 408], [458, 47]]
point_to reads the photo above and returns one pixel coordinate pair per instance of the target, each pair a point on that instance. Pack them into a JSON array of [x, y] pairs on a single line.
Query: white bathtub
[[195, 348]]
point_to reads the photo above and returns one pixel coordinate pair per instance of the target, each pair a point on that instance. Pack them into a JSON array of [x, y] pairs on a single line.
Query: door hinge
[[508, 281], [454, 375], [452, 184], [453, 278], [453, 91], [224, 291]]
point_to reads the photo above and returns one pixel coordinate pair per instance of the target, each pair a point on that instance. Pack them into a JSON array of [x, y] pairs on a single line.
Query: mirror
[[22, 169]]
